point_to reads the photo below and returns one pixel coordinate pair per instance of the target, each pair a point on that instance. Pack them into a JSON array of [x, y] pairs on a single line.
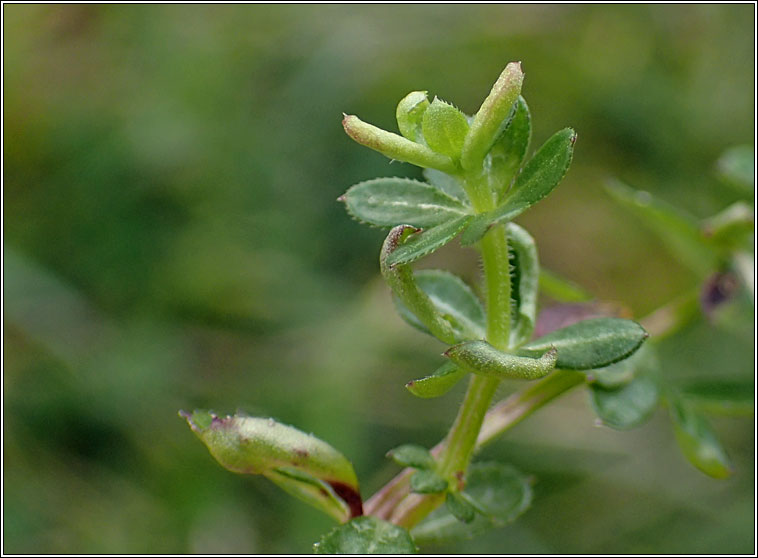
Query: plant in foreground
[[479, 179]]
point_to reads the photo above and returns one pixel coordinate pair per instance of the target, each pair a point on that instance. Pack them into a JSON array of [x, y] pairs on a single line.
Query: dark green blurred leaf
[[720, 397], [737, 167], [386, 202], [525, 271], [590, 343], [626, 406], [453, 299], [437, 384], [427, 482], [444, 128], [698, 441], [537, 179], [412, 455], [510, 148], [460, 507], [678, 230], [482, 358], [424, 243], [620, 373], [366, 535], [499, 492]]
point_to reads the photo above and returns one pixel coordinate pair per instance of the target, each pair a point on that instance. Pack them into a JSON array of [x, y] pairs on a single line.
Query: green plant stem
[[461, 440], [498, 420]]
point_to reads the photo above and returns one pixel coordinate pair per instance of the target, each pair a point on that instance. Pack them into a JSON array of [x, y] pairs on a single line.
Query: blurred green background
[[172, 241]]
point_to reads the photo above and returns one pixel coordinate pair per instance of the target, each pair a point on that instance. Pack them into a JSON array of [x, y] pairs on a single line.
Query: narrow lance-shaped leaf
[[733, 397], [285, 454], [366, 535], [510, 148], [698, 441], [537, 179], [453, 299], [678, 230], [424, 243], [482, 358], [491, 117], [626, 406], [444, 128], [395, 146], [400, 279], [386, 202], [437, 384], [590, 343], [525, 284], [499, 493], [410, 113]]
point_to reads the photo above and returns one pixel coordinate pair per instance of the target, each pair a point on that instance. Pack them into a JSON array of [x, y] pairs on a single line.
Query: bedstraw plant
[[479, 178]]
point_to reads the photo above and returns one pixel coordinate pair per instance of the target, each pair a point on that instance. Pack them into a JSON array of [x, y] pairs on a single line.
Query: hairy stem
[[460, 442]]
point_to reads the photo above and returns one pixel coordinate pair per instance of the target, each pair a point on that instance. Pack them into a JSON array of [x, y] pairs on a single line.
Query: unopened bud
[[491, 116], [395, 146]]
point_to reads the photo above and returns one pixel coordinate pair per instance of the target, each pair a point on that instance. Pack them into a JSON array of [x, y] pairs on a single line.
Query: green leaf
[[401, 280], [386, 202], [499, 492], [561, 289], [439, 383], [366, 535], [698, 441], [284, 454], [453, 299], [444, 128], [458, 505], [721, 397], [590, 343], [448, 184], [627, 406], [427, 482], [737, 167], [678, 230], [643, 361], [482, 358], [537, 179], [524, 284], [410, 112], [510, 148], [491, 118], [412, 455], [424, 243]]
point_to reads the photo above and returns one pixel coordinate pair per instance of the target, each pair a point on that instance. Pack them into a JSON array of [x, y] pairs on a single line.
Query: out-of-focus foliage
[[171, 241]]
